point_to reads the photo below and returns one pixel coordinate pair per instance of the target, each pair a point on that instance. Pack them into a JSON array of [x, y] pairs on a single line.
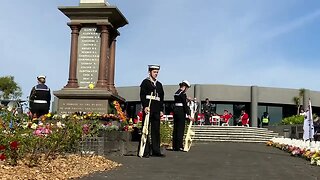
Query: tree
[[298, 99], [9, 88], [301, 95]]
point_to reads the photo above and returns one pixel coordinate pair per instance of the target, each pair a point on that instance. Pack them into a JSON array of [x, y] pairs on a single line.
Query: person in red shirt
[[225, 117], [244, 118], [140, 116]]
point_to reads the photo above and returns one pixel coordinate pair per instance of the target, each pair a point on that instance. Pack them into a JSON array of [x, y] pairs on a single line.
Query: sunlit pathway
[[215, 161]]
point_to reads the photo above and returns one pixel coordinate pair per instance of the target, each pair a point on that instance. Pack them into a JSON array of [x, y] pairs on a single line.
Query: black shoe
[[146, 156], [159, 155]]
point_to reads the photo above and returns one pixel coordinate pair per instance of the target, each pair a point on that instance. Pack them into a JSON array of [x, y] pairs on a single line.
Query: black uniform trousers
[[39, 109], [207, 118], [179, 120], [154, 121]]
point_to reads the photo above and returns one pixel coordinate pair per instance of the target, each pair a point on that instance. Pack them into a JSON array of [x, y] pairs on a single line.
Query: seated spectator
[[225, 117], [200, 119], [139, 116], [244, 118]]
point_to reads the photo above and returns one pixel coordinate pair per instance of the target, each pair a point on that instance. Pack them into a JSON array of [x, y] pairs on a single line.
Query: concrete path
[[221, 161]]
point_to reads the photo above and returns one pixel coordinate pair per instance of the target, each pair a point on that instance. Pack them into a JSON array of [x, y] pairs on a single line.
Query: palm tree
[[301, 95], [297, 101]]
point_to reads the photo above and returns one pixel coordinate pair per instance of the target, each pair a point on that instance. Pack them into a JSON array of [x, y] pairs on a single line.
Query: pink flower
[[2, 147], [85, 129]]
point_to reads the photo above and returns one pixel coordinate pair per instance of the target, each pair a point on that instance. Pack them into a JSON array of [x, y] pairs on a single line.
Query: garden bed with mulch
[[62, 167]]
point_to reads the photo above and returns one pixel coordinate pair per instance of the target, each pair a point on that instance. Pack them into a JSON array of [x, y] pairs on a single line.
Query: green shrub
[[292, 120], [165, 133]]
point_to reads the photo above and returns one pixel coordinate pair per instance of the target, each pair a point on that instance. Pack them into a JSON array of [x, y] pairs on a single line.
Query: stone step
[[257, 130], [230, 140], [232, 134], [223, 135], [239, 132]]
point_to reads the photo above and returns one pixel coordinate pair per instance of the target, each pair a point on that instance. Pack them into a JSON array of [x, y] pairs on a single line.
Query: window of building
[[275, 114], [221, 107]]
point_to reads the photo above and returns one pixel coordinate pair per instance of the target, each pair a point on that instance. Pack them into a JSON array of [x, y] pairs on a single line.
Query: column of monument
[[111, 67], [104, 49], [72, 81]]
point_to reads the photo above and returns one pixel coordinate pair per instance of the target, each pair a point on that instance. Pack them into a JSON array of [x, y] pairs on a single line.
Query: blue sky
[[238, 42]]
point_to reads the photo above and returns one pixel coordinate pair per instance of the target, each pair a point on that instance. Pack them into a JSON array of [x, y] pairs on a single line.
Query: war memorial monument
[[94, 28]]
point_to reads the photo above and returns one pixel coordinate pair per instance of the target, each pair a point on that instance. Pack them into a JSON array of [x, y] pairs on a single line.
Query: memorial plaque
[[88, 56], [68, 106]]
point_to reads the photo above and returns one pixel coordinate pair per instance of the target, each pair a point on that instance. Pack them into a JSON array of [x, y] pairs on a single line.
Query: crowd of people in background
[[205, 114]]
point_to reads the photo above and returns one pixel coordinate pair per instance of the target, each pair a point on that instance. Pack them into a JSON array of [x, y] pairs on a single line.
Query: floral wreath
[[119, 111]]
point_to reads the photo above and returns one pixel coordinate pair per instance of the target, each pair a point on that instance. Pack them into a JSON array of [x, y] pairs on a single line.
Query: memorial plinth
[[94, 29]]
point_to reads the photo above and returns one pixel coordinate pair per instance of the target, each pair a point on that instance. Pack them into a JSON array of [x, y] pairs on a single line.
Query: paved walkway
[[221, 161]]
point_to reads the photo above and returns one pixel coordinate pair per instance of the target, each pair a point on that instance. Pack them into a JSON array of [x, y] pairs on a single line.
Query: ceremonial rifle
[[145, 130], [190, 133]]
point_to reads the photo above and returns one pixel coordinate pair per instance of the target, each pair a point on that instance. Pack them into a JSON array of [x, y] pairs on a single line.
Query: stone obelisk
[[94, 28]]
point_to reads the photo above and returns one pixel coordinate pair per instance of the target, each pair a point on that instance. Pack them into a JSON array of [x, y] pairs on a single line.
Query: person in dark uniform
[[265, 119], [148, 85], [181, 109], [39, 98], [207, 110]]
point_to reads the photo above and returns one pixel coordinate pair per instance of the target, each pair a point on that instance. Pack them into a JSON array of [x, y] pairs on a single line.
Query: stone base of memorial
[[96, 100], [288, 131], [110, 143]]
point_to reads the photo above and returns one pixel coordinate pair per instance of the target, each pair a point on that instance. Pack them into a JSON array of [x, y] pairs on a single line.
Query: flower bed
[[53, 141], [28, 141], [307, 150]]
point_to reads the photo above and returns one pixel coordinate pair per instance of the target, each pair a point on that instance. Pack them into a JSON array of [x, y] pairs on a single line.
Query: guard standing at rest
[[181, 109], [148, 86], [40, 98], [207, 110]]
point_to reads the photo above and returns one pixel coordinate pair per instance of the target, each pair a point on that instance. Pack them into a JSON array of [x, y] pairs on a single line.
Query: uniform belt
[[178, 104], [153, 97], [40, 101]]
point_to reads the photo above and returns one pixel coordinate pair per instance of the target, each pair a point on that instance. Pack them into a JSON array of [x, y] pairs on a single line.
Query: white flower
[[34, 126], [59, 124]]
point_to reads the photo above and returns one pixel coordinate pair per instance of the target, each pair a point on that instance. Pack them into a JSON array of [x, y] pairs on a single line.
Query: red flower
[[2, 147], [14, 145], [2, 157]]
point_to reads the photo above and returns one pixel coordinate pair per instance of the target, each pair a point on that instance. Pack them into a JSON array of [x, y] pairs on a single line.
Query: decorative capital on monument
[[94, 2]]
